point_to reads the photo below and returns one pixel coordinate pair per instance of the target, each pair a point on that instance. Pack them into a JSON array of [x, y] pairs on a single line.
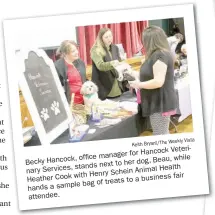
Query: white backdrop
[[205, 34], [41, 33]]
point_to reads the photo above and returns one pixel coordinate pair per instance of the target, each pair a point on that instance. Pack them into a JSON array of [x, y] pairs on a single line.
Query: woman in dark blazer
[[105, 56], [71, 70]]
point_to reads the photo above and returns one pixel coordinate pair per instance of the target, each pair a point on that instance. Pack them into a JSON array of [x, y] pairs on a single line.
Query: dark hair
[[154, 38], [99, 44], [101, 33]]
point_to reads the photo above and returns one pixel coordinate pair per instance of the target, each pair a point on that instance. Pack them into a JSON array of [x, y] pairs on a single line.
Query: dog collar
[[89, 95]]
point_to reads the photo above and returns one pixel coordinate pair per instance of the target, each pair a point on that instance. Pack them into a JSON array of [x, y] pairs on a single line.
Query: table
[[184, 105], [131, 126]]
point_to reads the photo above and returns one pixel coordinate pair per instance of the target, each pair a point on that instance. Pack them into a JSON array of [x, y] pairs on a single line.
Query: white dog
[[90, 93]]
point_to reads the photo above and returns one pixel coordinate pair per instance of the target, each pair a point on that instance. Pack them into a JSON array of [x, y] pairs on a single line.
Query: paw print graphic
[[44, 114], [55, 107]]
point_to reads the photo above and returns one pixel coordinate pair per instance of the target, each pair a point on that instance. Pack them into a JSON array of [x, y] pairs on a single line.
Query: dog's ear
[[82, 91], [96, 89]]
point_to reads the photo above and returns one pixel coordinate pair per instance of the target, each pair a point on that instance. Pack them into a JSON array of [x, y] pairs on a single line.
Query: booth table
[[184, 105], [131, 126]]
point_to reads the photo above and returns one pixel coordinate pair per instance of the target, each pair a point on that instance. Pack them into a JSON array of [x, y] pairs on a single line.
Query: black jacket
[[62, 73], [105, 80]]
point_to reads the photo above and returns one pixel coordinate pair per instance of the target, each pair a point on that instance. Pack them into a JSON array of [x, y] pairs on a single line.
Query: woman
[[156, 84], [184, 49], [174, 42], [71, 70], [105, 56]]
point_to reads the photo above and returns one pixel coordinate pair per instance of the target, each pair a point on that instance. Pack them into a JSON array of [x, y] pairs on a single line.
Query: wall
[[45, 33], [163, 23]]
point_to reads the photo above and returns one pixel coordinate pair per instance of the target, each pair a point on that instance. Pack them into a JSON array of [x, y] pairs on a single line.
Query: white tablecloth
[[184, 98]]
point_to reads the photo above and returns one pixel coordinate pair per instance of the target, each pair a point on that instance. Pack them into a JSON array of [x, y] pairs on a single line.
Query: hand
[[120, 76], [143, 60], [128, 76], [135, 84], [115, 62]]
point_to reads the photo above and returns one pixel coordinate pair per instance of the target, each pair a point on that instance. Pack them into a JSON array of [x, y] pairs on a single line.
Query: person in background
[[184, 50], [183, 60], [174, 41], [105, 56], [182, 56], [156, 81], [71, 70]]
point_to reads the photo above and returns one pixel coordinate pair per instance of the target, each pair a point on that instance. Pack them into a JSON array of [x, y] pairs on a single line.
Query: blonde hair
[[179, 36], [65, 47], [99, 44], [154, 38]]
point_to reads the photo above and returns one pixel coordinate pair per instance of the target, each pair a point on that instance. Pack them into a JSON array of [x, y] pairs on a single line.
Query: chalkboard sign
[[44, 95]]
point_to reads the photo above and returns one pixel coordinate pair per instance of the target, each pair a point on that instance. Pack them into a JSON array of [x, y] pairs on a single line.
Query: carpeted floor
[[183, 127]]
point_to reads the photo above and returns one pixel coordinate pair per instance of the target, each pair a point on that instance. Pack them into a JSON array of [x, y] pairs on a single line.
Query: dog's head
[[88, 88]]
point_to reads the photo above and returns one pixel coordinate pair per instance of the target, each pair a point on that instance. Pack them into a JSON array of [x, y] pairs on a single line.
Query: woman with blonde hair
[[71, 70], [156, 80], [105, 56], [174, 41]]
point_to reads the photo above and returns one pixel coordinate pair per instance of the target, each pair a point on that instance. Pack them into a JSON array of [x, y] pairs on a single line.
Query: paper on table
[[129, 106], [91, 131]]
